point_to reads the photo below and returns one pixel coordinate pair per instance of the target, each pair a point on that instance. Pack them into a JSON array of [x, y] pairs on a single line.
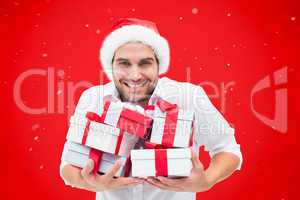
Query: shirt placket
[[137, 192]]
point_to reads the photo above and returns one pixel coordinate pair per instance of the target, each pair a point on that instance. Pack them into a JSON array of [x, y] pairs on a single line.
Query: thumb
[[196, 162], [88, 168]]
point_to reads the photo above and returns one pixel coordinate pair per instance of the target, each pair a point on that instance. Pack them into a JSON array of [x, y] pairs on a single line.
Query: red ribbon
[[191, 142], [170, 122], [150, 145], [96, 156], [121, 134], [161, 162], [127, 167], [94, 117]]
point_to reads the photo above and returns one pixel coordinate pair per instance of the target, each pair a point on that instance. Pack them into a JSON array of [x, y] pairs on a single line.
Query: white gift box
[[183, 127], [161, 162], [100, 136], [78, 155]]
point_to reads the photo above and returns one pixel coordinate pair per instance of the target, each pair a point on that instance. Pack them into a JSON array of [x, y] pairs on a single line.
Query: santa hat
[[130, 29]]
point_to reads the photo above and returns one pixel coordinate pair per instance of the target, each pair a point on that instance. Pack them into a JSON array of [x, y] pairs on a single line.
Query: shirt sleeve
[[87, 102], [211, 128]]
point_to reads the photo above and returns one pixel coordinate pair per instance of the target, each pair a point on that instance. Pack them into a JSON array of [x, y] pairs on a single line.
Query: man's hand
[[197, 181], [106, 181]]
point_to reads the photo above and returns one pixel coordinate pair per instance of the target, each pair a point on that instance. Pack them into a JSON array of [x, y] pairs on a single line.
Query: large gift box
[[172, 127], [161, 162], [115, 131], [90, 132], [78, 155]]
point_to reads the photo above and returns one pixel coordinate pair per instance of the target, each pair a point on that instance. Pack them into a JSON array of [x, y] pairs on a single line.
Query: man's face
[[135, 71]]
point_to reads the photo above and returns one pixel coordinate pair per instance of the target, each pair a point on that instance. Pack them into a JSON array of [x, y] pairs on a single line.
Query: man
[[133, 56]]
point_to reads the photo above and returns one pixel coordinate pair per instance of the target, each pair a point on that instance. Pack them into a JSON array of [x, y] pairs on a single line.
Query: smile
[[135, 85]]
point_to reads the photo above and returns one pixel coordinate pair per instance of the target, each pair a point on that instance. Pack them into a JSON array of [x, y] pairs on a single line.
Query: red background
[[254, 37]]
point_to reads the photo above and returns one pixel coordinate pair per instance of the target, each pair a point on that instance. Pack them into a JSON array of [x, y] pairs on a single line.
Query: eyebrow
[[143, 59]]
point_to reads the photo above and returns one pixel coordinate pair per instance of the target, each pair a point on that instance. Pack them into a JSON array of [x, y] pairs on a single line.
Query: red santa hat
[[129, 30]]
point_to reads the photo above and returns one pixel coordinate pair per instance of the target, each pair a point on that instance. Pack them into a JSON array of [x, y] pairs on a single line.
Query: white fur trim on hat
[[134, 33]]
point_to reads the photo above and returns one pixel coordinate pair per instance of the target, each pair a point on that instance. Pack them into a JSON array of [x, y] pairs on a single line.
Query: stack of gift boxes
[[113, 134]]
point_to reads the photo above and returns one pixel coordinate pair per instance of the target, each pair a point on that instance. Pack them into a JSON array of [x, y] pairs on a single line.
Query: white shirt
[[211, 130]]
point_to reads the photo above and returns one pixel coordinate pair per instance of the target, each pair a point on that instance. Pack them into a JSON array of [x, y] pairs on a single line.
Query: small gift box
[[78, 155], [172, 127], [161, 162], [88, 130], [127, 117]]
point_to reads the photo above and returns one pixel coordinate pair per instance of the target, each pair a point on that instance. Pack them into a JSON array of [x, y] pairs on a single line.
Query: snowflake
[[98, 31], [36, 138], [35, 127], [195, 11], [228, 14], [86, 25], [293, 19], [59, 92], [16, 3], [61, 74], [44, 55]]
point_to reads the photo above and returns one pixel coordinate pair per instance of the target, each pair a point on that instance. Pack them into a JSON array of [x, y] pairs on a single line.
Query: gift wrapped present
[[127, 117], [78, 155], [172, 127], [161, 162], [90, 130]]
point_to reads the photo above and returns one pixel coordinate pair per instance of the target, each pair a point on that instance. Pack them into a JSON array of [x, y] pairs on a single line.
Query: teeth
[[132, 85]]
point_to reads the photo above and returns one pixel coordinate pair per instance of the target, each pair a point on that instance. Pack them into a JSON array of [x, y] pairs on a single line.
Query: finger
[[172, 182], [128, 181], [155, 183], [87, 170], [161, 185], [113, 170], [196, 162]]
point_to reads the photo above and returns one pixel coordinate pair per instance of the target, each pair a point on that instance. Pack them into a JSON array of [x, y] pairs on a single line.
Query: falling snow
[[86, 25], [44, 55], [59, 92], [195, 11], [16, 3], [228, 14], [180, 18], [61, 74], [98, 31], [293, 19], [35, 127], [36, 138]]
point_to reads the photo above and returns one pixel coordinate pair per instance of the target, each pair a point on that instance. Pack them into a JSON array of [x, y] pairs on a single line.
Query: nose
[[135, 73]]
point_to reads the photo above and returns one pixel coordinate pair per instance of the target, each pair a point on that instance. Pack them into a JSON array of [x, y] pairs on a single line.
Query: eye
[[145, 63], [124, 63]]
